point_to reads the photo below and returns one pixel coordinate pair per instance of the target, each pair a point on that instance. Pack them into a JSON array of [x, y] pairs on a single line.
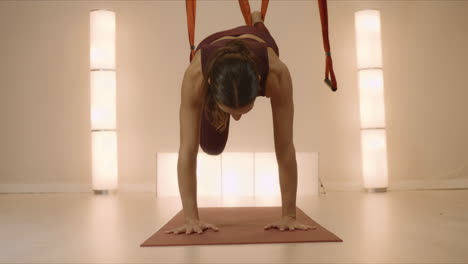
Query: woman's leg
[[263, 30], [211, 141]]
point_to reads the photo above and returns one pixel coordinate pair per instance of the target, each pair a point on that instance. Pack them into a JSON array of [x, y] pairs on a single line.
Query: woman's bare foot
[[256, 17]]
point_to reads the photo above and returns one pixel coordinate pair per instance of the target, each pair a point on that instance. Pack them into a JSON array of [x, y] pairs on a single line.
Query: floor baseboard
[[423, 184], [70, 188]]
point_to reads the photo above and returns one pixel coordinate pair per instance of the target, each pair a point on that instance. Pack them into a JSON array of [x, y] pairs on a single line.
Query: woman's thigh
[[211, 141]]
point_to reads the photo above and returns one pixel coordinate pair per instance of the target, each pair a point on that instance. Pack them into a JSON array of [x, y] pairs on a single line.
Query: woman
[[228, 71]]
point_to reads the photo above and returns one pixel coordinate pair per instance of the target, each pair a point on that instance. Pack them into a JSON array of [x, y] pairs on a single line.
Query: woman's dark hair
[[233, 74]]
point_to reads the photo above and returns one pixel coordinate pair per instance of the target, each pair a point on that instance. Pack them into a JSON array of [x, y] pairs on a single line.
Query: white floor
[[392, 227]]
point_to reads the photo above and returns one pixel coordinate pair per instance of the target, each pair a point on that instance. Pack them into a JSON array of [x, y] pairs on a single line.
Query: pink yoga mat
[[240, 225]]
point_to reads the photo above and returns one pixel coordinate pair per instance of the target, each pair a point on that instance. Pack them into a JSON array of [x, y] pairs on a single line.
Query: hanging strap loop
[[326, 44], [191, 7]]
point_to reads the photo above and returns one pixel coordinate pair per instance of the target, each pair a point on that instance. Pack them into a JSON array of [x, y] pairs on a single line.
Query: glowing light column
[[371, 95], [103, 97]]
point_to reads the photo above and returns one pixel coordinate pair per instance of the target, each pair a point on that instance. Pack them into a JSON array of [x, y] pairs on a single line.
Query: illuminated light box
[[103, 98], [237, 174], [266, 174], [371, 98], [102, 38], [104, 158], [233, 175], [374, 158], [208, 171], [308, 182]]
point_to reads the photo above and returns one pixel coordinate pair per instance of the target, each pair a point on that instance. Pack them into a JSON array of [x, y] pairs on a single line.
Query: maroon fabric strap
[[191, 6], [326, 44]]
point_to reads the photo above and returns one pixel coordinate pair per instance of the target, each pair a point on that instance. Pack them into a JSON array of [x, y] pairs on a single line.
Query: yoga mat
[[240, 225]]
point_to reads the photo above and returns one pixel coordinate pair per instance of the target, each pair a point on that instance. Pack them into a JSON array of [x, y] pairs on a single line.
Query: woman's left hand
[[290, 223]]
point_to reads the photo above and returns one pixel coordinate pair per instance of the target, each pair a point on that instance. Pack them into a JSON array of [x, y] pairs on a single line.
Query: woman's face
[[237, 112]]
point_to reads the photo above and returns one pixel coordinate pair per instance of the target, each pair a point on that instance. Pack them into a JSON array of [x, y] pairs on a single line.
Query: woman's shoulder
[[274, 72], [274, 61], [195, 73], [195, 64]]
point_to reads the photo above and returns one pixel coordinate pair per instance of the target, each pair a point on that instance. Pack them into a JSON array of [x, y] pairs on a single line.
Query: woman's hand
[[195, 226], [287, 222]]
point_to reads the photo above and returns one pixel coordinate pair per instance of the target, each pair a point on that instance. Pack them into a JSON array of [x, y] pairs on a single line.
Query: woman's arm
[[189, 115], [283, 114]]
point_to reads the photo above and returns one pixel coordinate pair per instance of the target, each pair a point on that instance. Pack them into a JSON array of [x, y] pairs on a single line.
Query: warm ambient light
[[103, 100], [237, 175], [102, 37], [104, 169], [371, 96]]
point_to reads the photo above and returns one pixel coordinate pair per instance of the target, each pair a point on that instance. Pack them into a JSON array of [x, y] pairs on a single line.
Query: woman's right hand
[[194, 225]]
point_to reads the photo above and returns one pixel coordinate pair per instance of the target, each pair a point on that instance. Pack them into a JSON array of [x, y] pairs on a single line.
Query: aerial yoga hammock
[[245, 8]]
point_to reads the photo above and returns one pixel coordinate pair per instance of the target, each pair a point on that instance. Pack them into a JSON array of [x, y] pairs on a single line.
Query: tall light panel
[[371, 96], [103, 100]]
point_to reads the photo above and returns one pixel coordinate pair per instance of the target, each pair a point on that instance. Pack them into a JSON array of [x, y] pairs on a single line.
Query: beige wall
[[44, 88]]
